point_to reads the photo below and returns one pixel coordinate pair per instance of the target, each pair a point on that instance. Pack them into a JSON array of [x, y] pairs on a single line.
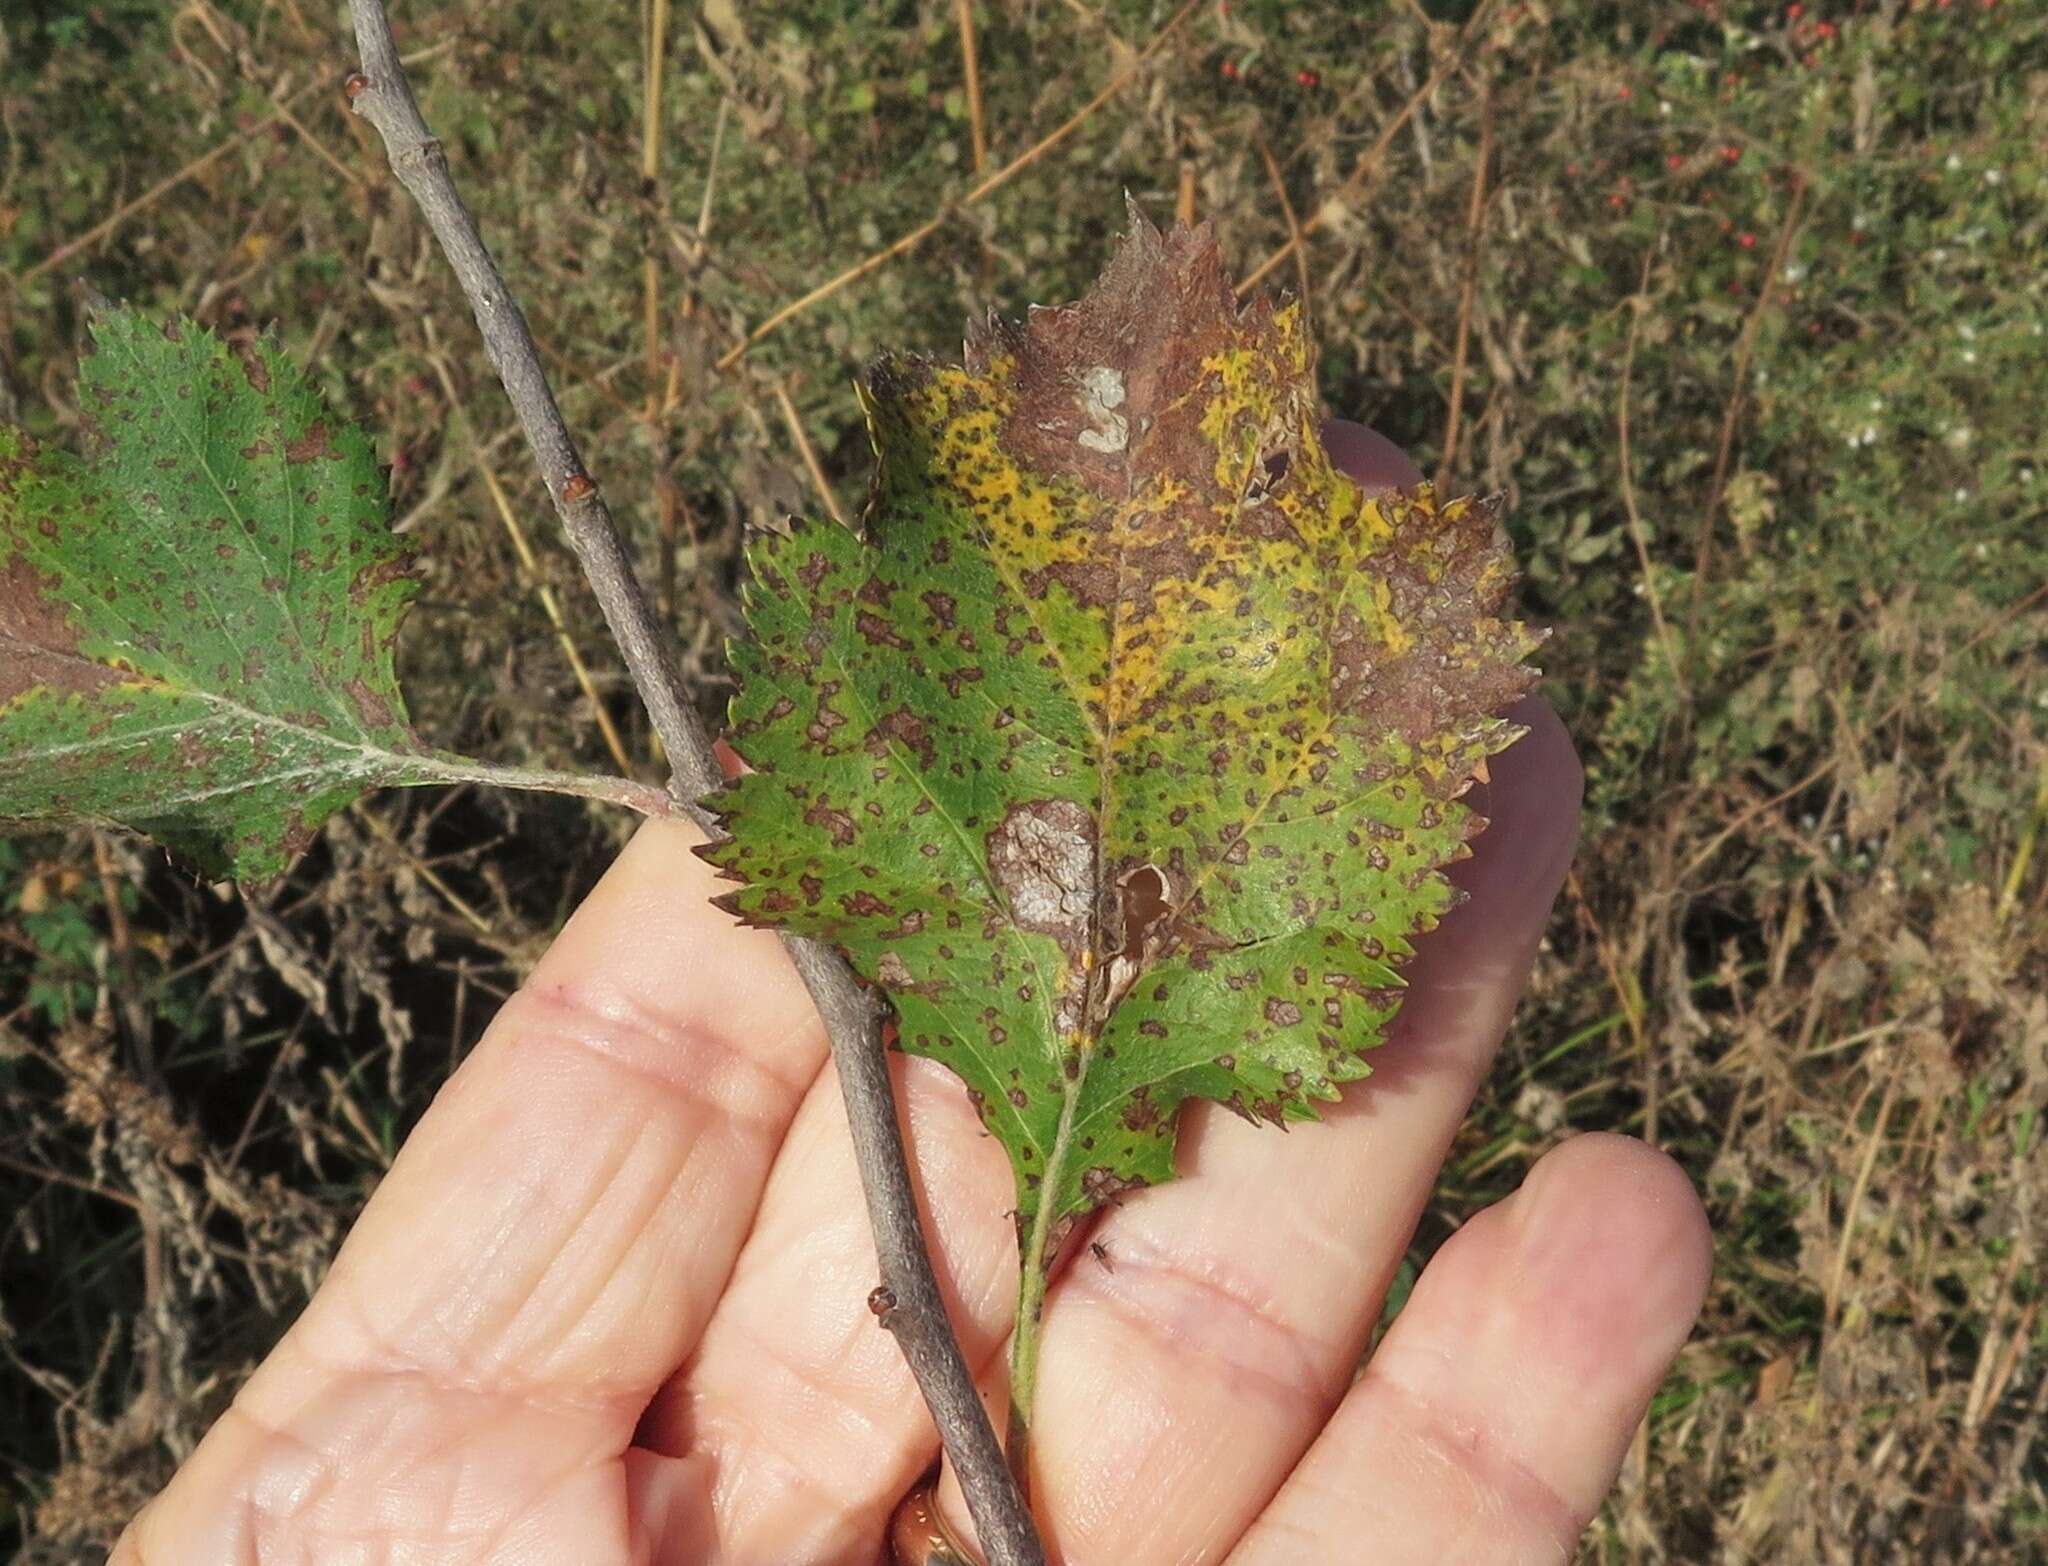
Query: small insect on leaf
[[1125, 745]]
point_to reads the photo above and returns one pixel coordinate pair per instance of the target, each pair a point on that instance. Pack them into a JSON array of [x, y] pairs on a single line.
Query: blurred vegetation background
[[1741, 306]]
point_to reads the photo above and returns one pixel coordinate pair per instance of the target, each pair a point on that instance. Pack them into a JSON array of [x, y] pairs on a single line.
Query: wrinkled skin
[[610, 1303]]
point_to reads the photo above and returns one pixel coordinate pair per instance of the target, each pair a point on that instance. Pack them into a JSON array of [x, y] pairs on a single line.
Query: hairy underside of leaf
[[196, 621], [1126, 747], [197, 615]]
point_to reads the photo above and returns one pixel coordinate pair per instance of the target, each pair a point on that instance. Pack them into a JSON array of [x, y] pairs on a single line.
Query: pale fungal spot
[[1066, 1016], [1043, 858], [1102, 393]]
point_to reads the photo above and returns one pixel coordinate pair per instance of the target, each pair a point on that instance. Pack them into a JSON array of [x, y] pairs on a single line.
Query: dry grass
[[1737, 315]]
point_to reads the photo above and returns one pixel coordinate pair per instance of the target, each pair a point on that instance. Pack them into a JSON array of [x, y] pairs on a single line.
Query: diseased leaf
[[196, 624], [1125, 750]]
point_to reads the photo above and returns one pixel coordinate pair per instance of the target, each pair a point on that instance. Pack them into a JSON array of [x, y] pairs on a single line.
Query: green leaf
[[1125, 750], [196, 624]]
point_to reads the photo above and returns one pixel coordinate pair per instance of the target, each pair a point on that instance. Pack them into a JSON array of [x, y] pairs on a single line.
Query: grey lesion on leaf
[[1042, 857], [894, 975], [1101, 394]]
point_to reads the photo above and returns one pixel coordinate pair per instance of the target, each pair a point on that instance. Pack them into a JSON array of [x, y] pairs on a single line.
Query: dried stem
[[162, 187], [808, 452], [980, 191], [1368, 162], [970, 63], [909, 1303], [655, 40], [1638, 304], [1703, 550], [1279, 184], [1468, 288], [529, 565]]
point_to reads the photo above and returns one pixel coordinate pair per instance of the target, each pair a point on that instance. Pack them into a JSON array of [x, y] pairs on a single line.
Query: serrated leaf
[[1125, 750], [196, 624]]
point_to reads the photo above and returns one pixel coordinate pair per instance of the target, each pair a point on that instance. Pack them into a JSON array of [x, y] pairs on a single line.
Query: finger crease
[[1511, 1488], [1214, 1315], [684, 1057]]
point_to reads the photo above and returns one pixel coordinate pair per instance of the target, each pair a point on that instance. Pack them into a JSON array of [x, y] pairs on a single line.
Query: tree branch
[[908, 1302]]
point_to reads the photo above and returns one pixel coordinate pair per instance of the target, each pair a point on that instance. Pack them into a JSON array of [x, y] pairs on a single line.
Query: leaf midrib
[[230, 712], [900, 757], [196, 448]]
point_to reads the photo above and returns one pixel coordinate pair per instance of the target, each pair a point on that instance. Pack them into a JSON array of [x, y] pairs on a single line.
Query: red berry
[[1230, 70], [1624, 93], [1674, 163], [1308, 78], [1826, 29], [1731, 154], [1747, 241], [1795, 10]]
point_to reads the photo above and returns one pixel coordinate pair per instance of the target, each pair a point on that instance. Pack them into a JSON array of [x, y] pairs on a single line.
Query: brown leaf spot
[[375, 709], [1104, 1187], [838, 822], [878, 632], [254, 370], [371, 577], [1144, 905], [907, 729], [38, 642], [1140, 1113], [1092, 582], [313, 446], [1282, 1013]]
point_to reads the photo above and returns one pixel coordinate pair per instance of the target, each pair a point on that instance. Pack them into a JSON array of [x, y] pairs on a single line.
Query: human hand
[[610, 1304]]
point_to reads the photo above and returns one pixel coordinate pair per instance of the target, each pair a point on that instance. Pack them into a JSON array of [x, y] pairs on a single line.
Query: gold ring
[[918, 1535]]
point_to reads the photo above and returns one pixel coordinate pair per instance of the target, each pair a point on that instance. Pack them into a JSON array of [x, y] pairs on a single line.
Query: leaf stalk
[[1032, 1283]]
